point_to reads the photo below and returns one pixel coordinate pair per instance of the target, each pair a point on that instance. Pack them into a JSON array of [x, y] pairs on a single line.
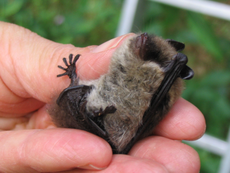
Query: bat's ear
[[186, 73], [177, 45]]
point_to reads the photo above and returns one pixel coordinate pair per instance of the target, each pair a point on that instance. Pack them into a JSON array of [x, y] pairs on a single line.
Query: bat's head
[[152, 48], [155, 49]]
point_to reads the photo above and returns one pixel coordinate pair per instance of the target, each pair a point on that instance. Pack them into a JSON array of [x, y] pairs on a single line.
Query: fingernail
[[51, 127], [91, 167], [94, 167], [110, 44]]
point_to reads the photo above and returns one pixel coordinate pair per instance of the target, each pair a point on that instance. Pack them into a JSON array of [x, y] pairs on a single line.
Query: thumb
[[29, 63]]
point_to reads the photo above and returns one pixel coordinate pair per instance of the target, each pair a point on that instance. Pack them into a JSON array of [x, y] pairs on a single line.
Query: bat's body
[[125, 104]]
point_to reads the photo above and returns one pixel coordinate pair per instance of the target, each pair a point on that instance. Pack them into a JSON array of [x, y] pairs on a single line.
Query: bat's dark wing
[[176, 68], [72, 103]]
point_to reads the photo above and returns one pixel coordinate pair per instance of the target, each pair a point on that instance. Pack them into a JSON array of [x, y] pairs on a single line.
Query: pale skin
[[30, 142]]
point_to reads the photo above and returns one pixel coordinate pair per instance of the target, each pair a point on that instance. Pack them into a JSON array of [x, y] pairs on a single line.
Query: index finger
[[29, 67]]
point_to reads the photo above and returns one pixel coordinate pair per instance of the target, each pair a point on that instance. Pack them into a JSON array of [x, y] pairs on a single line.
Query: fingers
[[29, 67], [173, 155], [183, 122], [30, 62], [52, 150], [56, 150], [155, 154], [127, 164]]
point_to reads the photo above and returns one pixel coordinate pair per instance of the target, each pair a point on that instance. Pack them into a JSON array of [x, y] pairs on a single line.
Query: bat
[[125, 104]]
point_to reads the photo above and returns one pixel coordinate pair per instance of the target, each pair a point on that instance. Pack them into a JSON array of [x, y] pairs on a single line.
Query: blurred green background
[[92, 22]]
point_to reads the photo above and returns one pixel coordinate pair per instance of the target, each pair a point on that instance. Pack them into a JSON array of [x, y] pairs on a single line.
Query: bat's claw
[[108, 110], [71, 68]]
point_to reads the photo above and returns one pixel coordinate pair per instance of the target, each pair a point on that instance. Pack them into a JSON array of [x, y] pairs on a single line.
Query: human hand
[[30, 142]]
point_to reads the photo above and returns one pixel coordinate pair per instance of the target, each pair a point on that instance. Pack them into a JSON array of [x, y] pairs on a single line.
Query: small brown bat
[[123, 106]]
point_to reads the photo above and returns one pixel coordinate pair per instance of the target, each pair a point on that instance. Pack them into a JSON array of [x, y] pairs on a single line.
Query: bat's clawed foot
[[71, 68]]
